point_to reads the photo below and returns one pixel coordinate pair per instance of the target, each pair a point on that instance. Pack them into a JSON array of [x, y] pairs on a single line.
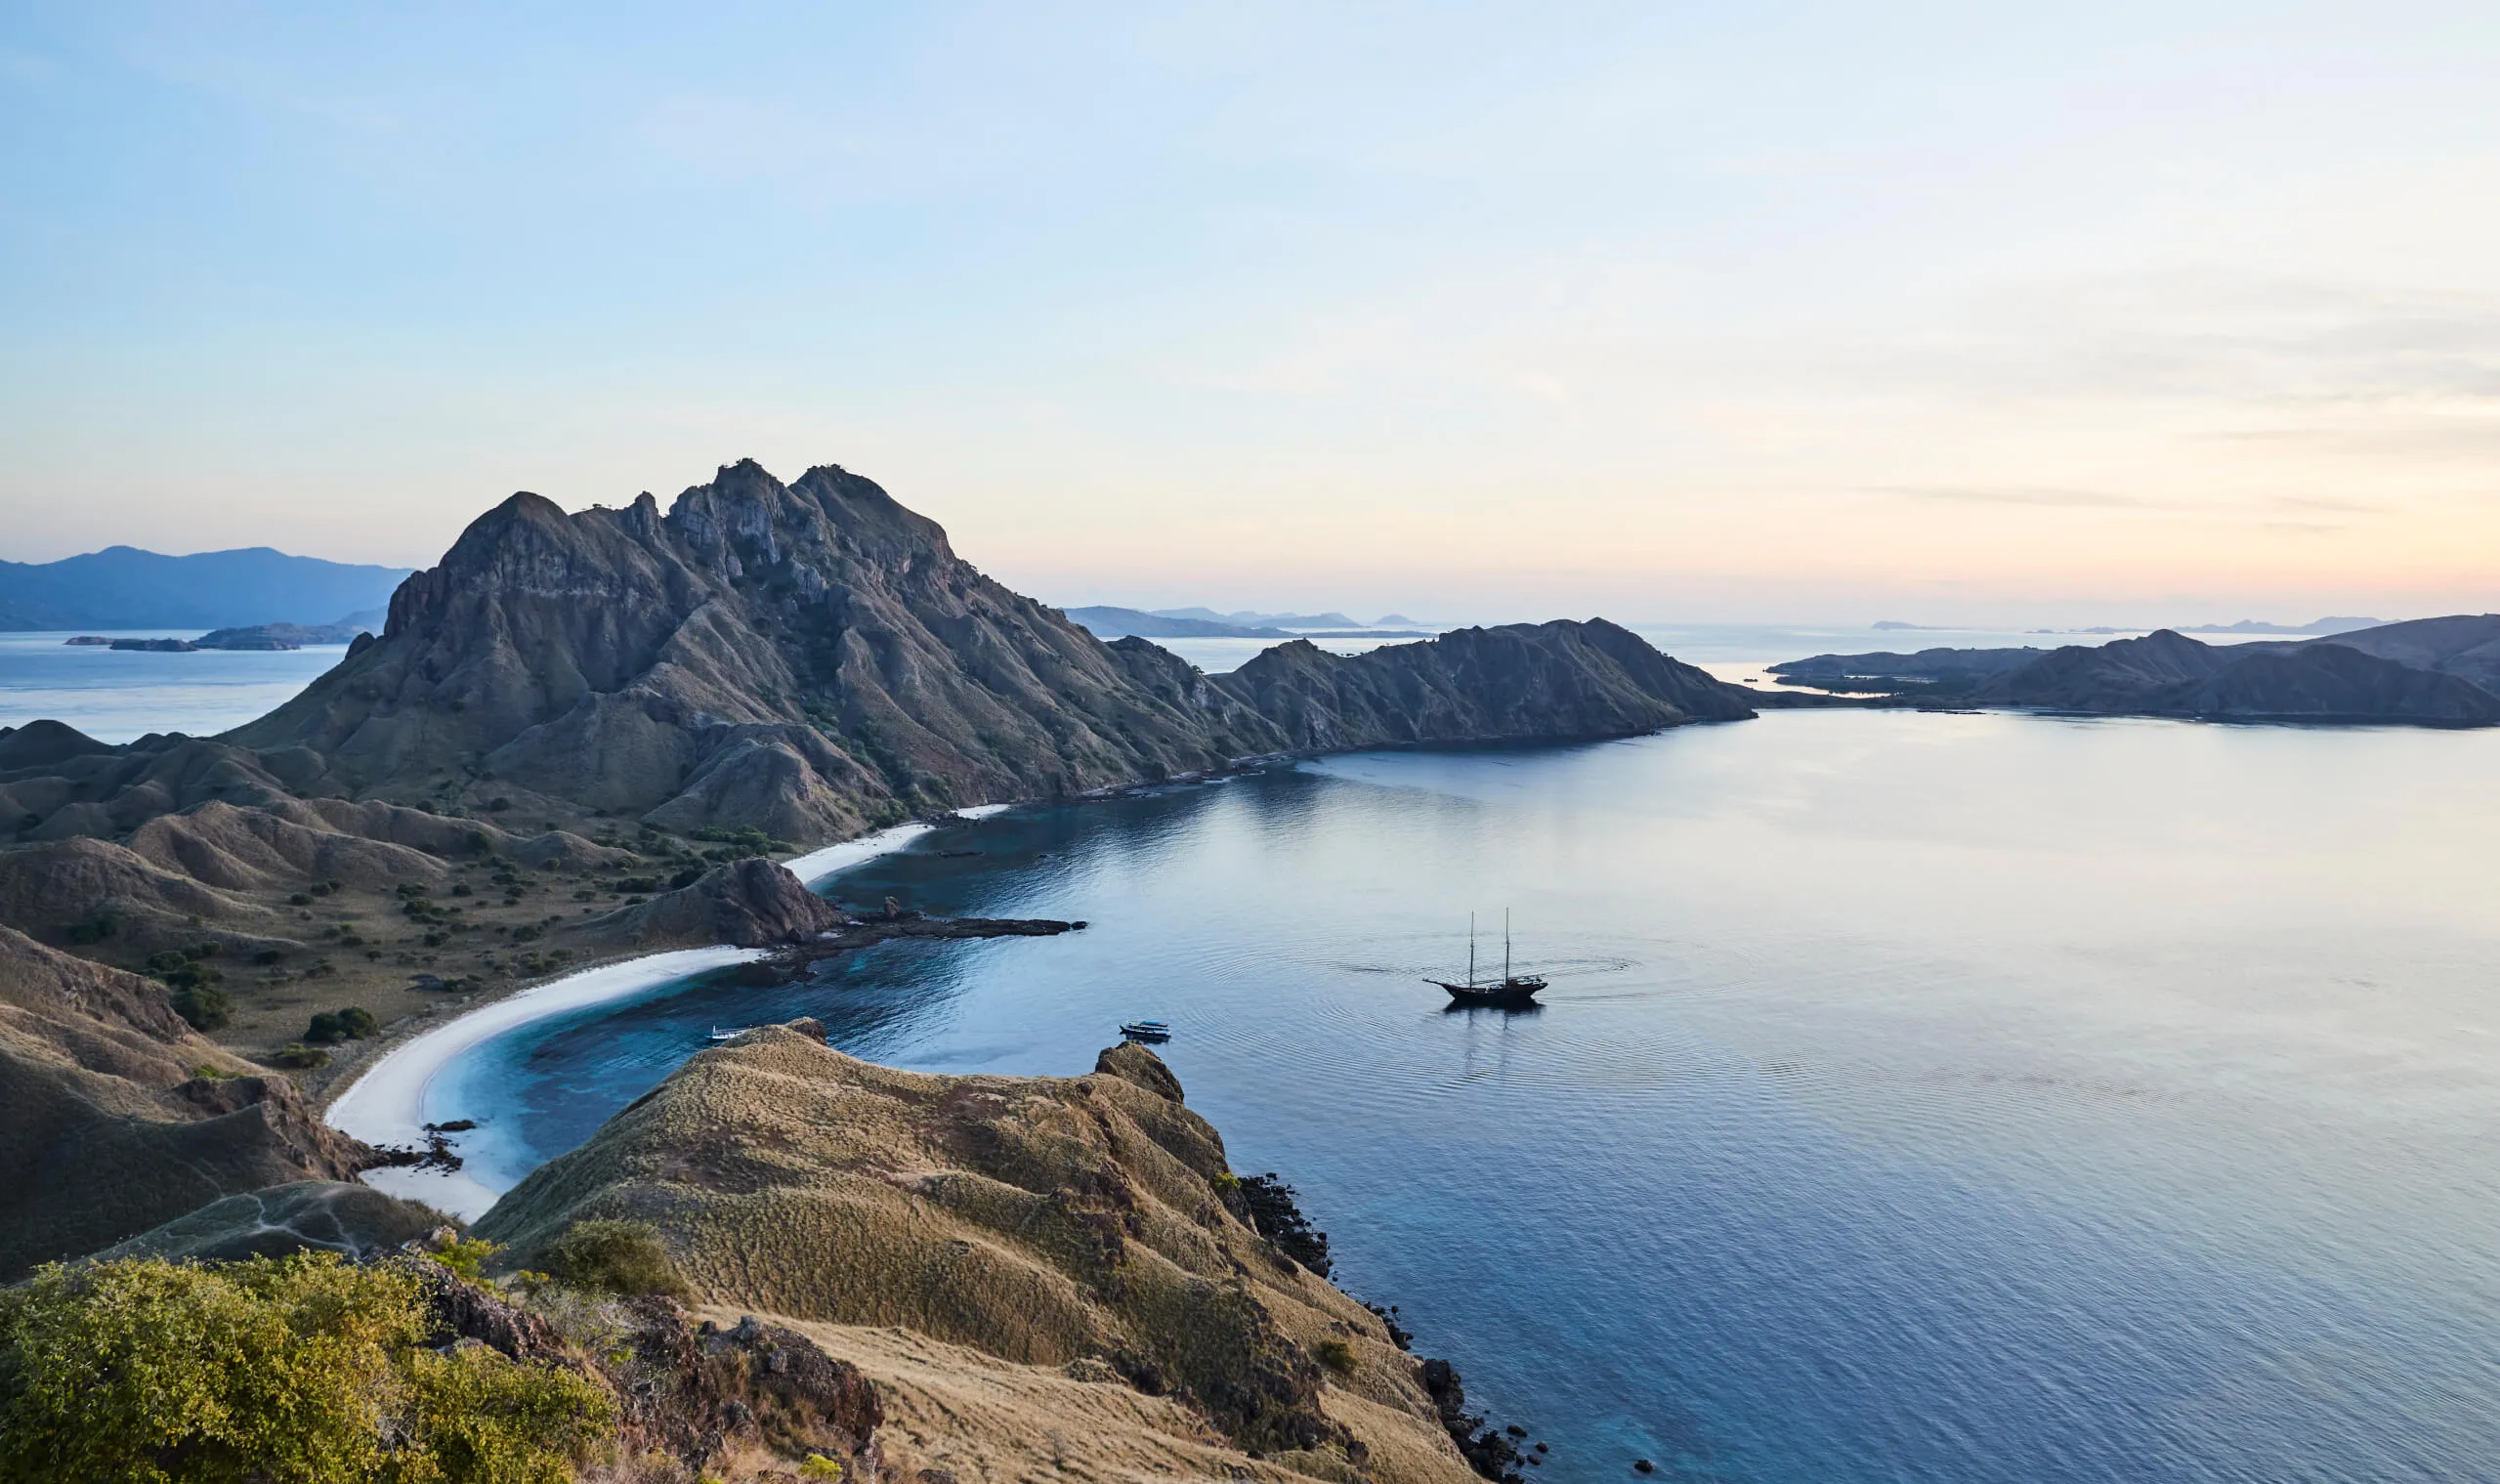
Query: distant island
[[2441, 672], [122, 587], [258, 636], [2256, 626], [1105, 621], [1108, 622], [2243, 626], [1252, 618]]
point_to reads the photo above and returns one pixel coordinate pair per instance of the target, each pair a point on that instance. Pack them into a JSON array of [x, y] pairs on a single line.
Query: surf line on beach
[[386, 1103]]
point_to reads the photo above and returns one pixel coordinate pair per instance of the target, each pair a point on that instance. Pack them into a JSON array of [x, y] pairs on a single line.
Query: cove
[[1919, 1097]]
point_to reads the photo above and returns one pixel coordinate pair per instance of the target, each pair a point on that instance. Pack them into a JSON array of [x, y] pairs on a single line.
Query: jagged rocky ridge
[[812, 659]]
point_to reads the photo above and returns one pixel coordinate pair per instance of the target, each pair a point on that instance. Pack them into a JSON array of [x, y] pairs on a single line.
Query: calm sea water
[[1933, 1098], [116, 695]]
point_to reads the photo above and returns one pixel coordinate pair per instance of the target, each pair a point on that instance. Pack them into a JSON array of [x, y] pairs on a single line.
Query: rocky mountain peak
[[812, 659]]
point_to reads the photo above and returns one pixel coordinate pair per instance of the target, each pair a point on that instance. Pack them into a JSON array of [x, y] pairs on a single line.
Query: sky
[[1675, 312]]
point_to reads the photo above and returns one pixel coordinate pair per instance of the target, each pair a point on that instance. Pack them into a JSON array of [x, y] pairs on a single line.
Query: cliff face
[[117, 1117], [808, 659], [1080, 1229]]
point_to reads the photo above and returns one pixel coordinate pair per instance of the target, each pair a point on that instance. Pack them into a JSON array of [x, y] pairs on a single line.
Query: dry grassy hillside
[[119, 1117], [1082, 1237]]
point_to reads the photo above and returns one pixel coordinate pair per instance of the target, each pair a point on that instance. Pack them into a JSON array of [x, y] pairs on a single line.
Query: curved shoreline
[[386, 1105], [833, 860], [385, 1102]]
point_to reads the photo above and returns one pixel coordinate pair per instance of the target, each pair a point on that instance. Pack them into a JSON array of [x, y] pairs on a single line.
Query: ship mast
[[1471, 951], [1505, 944]]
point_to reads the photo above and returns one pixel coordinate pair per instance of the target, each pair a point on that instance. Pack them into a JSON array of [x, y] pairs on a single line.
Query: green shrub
[[96, 926], [330, 1027], [613, 1256], [1336, 1355], [300, 1371], [466, 1255], [297, 1056], [205, 1008], [475, 1417], [818, 1467]]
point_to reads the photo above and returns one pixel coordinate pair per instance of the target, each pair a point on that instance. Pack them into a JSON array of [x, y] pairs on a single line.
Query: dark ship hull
[[1509, 992]]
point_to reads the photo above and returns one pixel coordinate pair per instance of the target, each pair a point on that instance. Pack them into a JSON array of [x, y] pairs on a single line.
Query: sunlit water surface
[[1919, 1097]]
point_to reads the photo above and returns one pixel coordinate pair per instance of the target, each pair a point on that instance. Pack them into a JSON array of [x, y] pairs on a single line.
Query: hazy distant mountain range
[[122, 587], [1109, 622], [1256, 619], [2243, 626], [2256, 626]]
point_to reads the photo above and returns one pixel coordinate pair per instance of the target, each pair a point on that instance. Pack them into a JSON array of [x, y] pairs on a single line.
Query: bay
[[1919, 1097]]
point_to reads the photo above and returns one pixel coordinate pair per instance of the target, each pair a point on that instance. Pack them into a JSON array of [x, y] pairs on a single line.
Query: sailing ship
[[1515, 990]]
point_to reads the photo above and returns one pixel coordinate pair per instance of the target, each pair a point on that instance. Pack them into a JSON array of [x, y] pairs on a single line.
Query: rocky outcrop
[[743, 1403], [119, 1118], [1087, 1224], [1130, 1062], [748, 904]]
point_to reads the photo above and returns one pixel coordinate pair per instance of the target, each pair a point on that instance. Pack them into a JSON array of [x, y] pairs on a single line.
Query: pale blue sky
[[1801, 311]]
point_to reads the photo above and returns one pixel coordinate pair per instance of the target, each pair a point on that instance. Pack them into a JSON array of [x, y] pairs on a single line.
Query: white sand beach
[[386, 1103]]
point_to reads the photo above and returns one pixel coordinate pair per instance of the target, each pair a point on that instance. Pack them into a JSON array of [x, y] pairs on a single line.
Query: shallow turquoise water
[[1919, 1098]]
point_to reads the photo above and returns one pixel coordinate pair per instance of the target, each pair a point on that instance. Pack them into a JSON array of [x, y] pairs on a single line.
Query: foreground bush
[[299, 1371], [615, 1257]]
